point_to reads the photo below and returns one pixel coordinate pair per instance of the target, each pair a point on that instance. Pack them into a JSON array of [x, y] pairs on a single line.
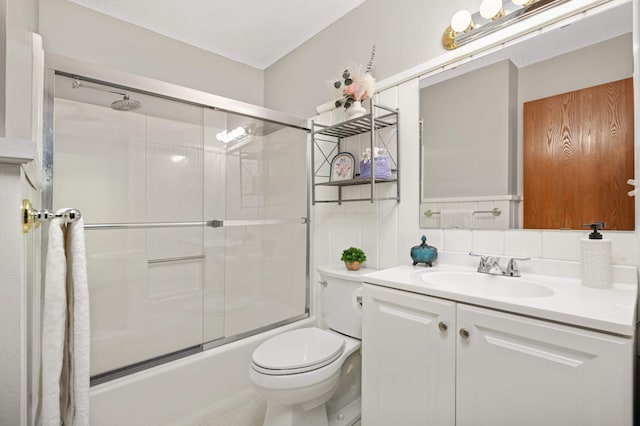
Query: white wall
[[600, 63], [80, 33], [463, 139], [406, 33], [17, 19], [21, 21]]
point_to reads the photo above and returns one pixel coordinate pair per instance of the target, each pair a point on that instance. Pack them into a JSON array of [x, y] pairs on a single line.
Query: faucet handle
[[512, 266], [484, 260], [487, 262], [483, 257]]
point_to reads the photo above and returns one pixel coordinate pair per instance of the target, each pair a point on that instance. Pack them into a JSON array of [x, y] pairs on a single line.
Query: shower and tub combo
[[197, 245]]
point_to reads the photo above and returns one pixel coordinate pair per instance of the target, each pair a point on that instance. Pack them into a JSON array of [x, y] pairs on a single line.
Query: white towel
[[456, 219], [65, 328]]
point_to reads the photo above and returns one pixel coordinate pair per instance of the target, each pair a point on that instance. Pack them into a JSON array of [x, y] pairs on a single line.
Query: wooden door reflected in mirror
[[578, 156]]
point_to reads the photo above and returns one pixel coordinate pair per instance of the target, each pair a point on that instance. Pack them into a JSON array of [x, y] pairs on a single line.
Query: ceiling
[[253, 32]]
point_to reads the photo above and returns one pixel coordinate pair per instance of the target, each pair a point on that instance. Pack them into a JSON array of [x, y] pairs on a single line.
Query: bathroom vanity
[[451, 346]]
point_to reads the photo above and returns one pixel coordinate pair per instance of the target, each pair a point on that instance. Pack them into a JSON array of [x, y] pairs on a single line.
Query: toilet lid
[[297, 351]]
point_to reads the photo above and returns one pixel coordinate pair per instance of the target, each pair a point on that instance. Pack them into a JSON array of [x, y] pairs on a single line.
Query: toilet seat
[[297, 351]]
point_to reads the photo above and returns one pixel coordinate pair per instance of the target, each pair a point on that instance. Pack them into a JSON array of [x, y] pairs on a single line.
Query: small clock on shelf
[[342, 167]]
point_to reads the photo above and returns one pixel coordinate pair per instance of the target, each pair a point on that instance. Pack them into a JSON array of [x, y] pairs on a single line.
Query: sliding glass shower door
[[263, 203], [195, 220]]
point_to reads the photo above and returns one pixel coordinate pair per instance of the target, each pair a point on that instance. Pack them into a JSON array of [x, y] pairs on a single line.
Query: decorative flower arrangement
[[356, 86]]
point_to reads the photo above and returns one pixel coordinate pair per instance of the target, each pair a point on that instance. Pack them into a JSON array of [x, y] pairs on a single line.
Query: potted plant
[[353, 257]]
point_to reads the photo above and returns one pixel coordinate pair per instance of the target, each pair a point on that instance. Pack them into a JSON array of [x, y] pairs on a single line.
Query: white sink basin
[[485, 285]]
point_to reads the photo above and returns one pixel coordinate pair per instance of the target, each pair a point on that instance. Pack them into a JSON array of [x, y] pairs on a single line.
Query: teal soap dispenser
[[596, 258]]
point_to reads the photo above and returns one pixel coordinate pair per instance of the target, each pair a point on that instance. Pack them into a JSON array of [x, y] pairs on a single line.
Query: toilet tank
[[340, 299]]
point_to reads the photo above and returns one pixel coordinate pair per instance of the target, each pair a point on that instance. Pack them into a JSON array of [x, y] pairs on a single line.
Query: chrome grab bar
[[174, 259], [495, 211]]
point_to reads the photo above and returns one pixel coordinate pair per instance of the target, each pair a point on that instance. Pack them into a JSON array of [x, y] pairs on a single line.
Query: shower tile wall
[[168, 166], [125, 168]]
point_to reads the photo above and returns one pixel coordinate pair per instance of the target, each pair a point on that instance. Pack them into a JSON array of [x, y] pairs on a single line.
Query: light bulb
[[491, 9], [461, 21]]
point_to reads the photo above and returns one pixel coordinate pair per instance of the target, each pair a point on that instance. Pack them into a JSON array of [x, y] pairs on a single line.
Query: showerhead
[[126, 104]]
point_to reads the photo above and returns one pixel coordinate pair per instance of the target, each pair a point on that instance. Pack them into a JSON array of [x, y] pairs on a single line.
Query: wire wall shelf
[[357, 126], [329, 141]]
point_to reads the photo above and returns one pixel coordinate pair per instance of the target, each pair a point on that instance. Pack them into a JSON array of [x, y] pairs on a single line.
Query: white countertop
[[610, 310]]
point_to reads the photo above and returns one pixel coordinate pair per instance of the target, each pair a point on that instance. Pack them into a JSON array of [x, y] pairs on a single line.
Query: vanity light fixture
[[492, 16]]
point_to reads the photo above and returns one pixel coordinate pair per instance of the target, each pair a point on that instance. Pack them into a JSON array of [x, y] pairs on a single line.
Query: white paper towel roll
[[596, 263]]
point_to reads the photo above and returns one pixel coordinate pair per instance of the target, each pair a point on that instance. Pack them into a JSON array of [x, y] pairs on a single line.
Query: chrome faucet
[[491, 265]]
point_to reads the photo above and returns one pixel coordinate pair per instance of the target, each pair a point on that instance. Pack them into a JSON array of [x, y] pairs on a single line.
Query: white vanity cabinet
[[487, 368], [517, 370], [408, 359]]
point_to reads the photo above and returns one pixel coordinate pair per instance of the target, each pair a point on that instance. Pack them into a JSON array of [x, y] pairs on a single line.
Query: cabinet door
[[408, 359], [514, 370]]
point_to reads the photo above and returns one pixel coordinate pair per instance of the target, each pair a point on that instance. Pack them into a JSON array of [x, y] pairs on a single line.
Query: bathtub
[[209, 388]]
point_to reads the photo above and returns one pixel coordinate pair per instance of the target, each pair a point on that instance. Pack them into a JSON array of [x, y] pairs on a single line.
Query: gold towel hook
[[28, 217]]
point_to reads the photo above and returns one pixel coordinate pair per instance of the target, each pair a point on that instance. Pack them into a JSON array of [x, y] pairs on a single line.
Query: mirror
[[472, 170]]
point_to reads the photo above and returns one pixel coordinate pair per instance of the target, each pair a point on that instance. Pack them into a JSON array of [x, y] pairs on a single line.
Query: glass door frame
[[60, 65]]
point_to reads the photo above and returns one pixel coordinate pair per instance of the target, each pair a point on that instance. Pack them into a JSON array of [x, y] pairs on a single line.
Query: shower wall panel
[[125, 168], [262, 267], [159, 290]]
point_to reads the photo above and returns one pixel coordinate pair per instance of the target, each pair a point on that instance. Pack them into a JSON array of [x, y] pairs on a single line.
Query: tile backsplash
[[559, 245]]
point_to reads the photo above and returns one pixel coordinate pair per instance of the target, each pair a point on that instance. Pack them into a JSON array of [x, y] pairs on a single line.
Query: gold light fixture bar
[[466, 28]]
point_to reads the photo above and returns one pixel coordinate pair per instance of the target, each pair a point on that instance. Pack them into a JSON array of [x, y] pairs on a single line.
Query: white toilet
[[311, 376]]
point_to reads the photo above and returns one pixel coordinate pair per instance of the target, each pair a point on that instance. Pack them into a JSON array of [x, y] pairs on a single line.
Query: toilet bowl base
[[346, 416], [287, 415]]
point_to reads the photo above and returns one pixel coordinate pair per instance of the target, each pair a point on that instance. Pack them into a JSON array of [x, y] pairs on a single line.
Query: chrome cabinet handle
[[443, 326], [464, 333]]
